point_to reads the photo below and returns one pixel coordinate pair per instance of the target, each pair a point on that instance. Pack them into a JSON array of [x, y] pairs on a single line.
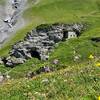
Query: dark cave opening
[[65, 34], [4, 60], [35, 54]]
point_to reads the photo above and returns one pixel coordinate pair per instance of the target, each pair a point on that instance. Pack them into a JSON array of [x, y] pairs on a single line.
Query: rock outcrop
[[40, 42]]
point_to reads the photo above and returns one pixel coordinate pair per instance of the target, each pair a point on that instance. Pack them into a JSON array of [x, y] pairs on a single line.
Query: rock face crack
[[41, 41]]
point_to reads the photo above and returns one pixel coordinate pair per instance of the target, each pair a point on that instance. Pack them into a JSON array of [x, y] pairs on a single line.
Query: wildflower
[[91, 57], [99, 98], [98, 64]]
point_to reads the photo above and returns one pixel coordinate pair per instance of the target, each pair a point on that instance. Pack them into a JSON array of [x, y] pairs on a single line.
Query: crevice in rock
[[4, 60], [35, 54], [65, 34]]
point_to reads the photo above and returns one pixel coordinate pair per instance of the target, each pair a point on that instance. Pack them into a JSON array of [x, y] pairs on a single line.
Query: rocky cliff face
[[40, 42], [11, 18]]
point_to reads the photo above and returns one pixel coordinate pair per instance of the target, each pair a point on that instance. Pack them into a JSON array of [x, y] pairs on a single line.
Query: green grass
[[77, 82], [2, 2], [79, 86]]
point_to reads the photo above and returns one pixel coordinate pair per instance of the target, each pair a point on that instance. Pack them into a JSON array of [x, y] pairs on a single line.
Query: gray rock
[[47, 69], [40, 41], [12, 61], [55, 61], [30, 74], [9, 64], [44, 57]]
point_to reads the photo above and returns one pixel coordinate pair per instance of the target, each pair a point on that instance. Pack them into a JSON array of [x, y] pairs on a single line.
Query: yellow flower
[[99, 98], [98, 64], [91, 57]]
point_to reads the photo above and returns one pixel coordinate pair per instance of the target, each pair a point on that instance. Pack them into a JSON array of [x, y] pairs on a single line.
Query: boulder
[[30, 74], [55, 61], [44, 69], [12, 61]]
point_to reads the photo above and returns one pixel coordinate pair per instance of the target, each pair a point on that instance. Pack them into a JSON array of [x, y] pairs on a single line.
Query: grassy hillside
[[78, 80], [69, 84]]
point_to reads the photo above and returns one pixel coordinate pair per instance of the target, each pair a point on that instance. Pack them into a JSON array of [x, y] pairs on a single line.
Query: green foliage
[[75, 80], [2, 2], [44, 27]]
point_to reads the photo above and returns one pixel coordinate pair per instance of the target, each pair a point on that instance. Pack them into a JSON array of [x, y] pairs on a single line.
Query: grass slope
[[82, 85], [72, 83]]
